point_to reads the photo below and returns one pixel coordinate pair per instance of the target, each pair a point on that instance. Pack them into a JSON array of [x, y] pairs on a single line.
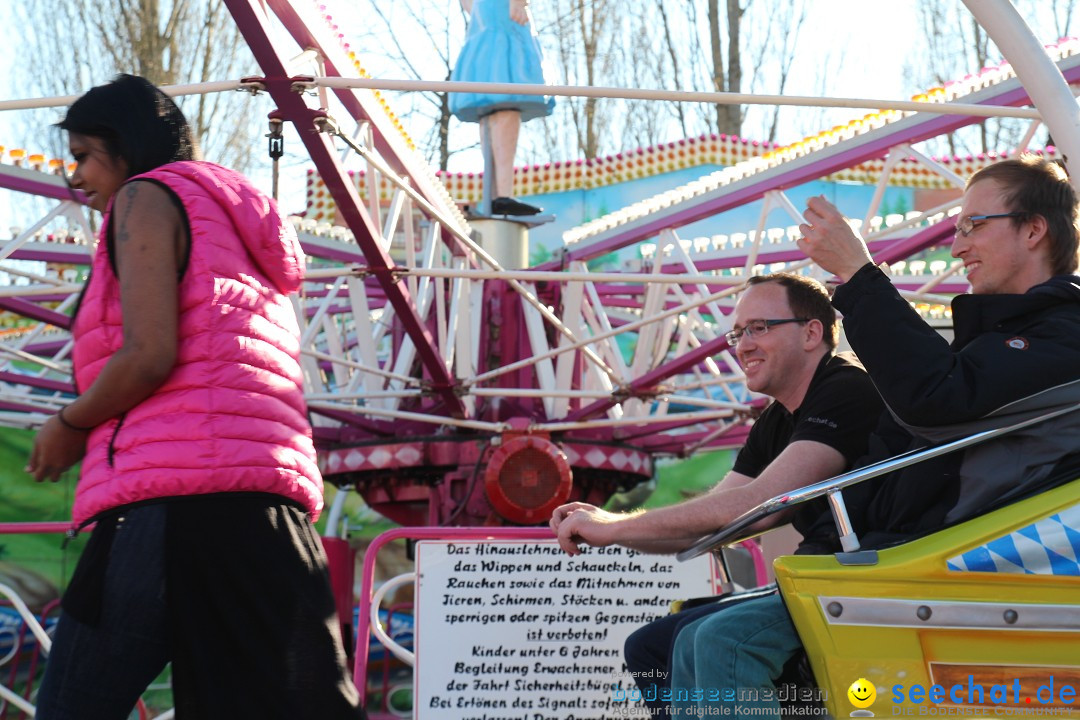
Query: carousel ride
[[448, 389]]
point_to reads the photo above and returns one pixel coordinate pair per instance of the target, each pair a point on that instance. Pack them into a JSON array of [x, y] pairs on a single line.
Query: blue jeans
[[732, 659], [649, 649]]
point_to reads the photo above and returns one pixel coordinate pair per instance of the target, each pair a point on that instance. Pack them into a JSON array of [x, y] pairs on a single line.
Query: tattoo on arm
[[130, 191]]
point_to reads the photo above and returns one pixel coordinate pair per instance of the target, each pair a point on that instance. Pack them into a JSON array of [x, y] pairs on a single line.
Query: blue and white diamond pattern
[[1050, 546]]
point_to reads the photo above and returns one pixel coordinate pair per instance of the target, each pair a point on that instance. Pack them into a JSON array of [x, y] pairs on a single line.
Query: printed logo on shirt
[[1017, 343], [822, 421]]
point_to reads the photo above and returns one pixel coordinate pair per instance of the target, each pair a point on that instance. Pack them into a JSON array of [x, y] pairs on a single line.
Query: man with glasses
[[1018, 333], [784, 336]]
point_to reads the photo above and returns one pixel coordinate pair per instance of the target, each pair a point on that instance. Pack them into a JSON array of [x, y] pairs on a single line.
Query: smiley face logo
[[862, 693]]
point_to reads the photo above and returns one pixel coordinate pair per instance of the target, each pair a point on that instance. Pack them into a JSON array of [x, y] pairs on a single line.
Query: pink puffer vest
[[231, 416]]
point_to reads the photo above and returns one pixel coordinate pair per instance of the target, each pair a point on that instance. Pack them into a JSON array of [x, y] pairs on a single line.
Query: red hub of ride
[[527, 477]]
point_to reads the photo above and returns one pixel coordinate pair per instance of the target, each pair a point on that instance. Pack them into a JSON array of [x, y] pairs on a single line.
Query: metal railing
[[831, 488]]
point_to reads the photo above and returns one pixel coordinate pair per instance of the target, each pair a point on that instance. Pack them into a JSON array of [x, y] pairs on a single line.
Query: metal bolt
[[924, 612], [1011, 616], [835, 609]]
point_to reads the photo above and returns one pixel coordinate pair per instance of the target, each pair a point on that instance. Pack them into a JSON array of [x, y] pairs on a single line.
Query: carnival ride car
[[977, 618]]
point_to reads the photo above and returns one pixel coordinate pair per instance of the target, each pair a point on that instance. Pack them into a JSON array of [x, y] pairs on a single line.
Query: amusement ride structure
[[450, 389], [449, 386]]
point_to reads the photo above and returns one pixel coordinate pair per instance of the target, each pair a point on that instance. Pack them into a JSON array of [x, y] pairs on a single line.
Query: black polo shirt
[[840, 409]]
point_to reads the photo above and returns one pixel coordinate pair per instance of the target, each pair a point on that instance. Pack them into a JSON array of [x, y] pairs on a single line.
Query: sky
[[877, 37]]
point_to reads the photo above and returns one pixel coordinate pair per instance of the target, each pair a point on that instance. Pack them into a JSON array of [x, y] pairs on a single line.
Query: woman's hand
[[56, 448], [519, 11]]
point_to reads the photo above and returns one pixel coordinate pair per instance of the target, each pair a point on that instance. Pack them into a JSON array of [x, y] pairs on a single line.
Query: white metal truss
[[590, 348]]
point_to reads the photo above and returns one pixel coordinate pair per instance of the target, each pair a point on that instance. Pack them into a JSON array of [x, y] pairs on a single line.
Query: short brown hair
[[808, 299], [1035, 186]]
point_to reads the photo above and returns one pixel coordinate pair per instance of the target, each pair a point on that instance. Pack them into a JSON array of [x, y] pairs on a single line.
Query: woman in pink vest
[[199, 471]]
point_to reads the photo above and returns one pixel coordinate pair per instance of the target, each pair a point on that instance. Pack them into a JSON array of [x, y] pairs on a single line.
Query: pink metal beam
[[46, 347], [320, 251], [678, 444], [374, 426], [54, 254], [648, 437], [250, 19], [361, 105], [38, 382], [874, 144], [925, 238], [764, 258], [35, 312], [19, 528], [36, 182], [20, 407], [650, 380]]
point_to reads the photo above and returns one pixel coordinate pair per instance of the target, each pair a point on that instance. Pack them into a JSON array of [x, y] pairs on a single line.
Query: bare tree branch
[[674, 56], [166, 42]]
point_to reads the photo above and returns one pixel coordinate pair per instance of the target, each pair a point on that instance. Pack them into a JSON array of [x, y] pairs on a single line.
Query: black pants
[[232, 589]]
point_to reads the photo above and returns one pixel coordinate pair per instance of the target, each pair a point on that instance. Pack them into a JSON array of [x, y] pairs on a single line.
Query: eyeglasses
[[757, 328], [967, 225]]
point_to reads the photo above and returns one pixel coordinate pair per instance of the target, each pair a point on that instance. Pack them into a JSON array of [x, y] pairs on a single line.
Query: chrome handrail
[[832, 487]]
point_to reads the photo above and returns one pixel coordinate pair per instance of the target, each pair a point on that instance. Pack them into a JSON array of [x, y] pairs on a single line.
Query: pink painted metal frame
[[441, 396], [20, 180], [252, 22], [292, 106], [812, 167], [27, 528]]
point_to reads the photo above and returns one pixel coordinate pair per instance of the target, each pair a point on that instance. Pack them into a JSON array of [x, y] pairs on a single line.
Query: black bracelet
[[69, 426]]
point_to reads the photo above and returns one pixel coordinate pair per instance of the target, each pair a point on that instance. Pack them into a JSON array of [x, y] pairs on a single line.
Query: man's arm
[[923, 380], [935, 384], [671, 529], [595, 514]]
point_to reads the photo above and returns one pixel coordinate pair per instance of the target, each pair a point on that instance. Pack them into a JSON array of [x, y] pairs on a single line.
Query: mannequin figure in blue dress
[[500, 47]]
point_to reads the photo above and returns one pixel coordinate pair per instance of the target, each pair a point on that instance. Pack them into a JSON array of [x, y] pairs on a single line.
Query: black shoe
[[510, 206]]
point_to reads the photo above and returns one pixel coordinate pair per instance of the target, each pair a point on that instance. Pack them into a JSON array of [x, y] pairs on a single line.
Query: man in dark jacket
[[1017, 334]]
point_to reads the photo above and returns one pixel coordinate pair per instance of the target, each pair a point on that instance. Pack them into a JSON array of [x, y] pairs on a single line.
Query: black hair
[[136, 121]]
